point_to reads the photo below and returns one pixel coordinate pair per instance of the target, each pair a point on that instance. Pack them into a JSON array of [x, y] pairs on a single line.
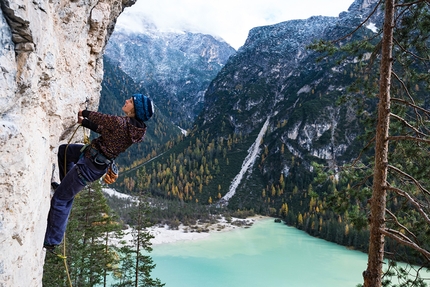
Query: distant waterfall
[[247, 163]]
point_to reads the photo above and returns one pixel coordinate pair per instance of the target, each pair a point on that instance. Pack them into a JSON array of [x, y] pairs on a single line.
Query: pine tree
[[399, 132], [136, 265], [89, 255], [415, 132]]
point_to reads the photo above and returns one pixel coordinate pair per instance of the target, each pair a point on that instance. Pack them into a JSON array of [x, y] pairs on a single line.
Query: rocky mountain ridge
[[282, 75], [276, 76], [173, 68]]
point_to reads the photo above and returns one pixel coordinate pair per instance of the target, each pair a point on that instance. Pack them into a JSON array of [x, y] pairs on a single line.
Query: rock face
[[50, 67]]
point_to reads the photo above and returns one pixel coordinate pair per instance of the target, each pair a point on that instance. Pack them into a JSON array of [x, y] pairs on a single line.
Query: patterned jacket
[[116, 133]]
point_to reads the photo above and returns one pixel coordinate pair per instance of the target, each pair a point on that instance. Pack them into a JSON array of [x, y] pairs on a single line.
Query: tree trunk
[[373, 274]]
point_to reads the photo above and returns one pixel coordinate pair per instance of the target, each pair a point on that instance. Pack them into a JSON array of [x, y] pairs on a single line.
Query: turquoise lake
[[265, 255]]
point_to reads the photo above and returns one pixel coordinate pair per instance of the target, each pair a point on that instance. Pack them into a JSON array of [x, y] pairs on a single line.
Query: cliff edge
[[50, 65]]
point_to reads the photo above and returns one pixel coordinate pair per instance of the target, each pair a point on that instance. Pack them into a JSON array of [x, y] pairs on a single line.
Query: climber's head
[[143, 107]]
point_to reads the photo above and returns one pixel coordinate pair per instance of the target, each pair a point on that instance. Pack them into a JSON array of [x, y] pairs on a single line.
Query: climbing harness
[[100, 159]]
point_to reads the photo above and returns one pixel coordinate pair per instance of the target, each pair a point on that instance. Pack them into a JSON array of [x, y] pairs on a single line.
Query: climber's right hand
[[80, 117]]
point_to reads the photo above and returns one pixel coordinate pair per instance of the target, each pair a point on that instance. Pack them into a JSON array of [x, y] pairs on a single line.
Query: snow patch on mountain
[[113, 193], [372, 27]]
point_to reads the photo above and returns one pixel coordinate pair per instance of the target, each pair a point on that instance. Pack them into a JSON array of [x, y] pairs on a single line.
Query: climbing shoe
[[49, 247], [54, 185]]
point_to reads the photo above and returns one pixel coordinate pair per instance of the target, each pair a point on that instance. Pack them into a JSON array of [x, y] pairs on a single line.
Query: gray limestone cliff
[[50, 65]]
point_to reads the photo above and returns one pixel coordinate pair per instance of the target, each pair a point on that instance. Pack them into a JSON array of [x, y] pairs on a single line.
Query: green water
[[268, 254]]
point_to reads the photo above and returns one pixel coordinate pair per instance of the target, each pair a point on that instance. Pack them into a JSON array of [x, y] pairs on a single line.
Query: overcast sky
[[230, 20]]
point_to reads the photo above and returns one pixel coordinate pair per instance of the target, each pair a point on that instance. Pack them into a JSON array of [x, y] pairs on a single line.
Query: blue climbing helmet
[[143, 107]]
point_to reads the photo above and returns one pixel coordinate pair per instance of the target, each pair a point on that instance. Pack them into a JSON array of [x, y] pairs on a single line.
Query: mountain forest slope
[[277, 83]]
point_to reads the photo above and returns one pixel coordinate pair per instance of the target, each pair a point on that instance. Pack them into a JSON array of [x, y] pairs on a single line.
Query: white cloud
[[228, 19]]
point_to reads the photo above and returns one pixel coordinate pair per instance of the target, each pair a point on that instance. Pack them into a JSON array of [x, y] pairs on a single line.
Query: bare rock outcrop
[[50, 66]]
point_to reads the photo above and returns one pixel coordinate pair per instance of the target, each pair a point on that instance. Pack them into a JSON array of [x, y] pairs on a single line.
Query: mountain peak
[[175, 69]]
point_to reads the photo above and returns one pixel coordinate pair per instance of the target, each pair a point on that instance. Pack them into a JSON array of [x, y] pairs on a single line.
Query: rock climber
[[80, 164]]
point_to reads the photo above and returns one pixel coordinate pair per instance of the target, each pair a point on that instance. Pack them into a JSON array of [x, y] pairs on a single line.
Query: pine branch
[[362, 151], [411, 3], [416, 108], [397, 236], [399, 138], [413, 105], [404, 86], [362, 182], [415, 203], [407, 124], [394, 217], [410, 177], [409, 52]]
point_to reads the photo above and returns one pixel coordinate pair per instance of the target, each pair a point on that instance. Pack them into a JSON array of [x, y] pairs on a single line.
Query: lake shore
[[163, 234]]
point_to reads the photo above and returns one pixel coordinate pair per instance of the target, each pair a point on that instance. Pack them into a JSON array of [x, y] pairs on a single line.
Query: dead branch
[[394, 217], [410, 177], [399, 138], [415, 203], [407, 124], [395, 235], [415, 107], [411, 3], [410, 53], [402, 83], [411, 105], [401, 235], [404, 86], [362, 150]]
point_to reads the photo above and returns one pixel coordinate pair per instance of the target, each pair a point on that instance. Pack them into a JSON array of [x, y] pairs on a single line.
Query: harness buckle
[[98, 157]]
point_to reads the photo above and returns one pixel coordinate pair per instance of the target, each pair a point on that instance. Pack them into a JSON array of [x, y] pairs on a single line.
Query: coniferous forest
[[94, 252]]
